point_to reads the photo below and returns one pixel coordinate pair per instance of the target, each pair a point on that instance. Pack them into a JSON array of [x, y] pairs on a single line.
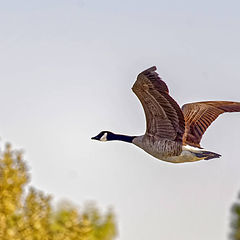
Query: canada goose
[[172, 134]]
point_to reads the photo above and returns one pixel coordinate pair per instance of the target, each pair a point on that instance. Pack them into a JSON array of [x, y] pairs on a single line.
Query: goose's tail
[[206, 155]]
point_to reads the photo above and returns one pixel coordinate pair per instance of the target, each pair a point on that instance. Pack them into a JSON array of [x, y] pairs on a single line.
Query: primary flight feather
[[172, 134]]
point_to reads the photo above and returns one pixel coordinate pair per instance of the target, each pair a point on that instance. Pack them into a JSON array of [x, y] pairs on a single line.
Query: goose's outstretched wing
[[199, 116], [164, 117]]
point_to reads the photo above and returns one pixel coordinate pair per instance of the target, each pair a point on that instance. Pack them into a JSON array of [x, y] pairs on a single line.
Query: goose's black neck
[[120, 137]]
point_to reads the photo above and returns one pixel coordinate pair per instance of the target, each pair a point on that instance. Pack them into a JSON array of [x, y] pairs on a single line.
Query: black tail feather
[[206, 155]]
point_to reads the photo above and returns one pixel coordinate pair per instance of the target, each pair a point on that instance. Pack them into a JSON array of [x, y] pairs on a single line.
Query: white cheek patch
[[104, 137]]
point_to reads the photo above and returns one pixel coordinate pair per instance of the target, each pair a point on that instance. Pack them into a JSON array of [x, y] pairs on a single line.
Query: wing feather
[[164, 117], [200, 115]]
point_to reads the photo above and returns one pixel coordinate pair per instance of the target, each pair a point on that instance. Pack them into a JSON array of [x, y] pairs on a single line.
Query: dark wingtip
[[153, 76], [149, 70]]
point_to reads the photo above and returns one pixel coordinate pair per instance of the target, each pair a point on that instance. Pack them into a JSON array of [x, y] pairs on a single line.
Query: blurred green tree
[[235, 223], [29, 215]]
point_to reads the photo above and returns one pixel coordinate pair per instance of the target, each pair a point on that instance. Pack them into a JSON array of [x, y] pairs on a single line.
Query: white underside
[[192, 149], [187, 155]]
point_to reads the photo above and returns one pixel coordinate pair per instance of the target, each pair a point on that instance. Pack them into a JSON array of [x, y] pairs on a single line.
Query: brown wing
[[199, 116], [164, 117]]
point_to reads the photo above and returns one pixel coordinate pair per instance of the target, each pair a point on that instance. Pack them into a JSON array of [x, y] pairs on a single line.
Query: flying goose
[[172, 134]]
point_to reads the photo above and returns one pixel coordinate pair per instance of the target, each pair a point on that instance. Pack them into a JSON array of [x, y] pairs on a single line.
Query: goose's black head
[[104, 136], [109, 136]]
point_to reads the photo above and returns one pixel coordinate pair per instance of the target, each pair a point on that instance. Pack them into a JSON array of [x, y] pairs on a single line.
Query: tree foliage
[[235, 224], [29, 215]]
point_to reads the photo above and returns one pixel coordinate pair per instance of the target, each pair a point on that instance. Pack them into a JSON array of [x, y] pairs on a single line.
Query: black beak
[[94, 138]]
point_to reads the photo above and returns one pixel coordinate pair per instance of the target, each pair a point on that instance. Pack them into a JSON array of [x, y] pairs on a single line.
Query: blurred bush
[[27, 214], [235, 224]]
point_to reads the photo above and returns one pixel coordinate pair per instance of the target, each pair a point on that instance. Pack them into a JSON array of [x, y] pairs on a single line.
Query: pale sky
[[67, 68]]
